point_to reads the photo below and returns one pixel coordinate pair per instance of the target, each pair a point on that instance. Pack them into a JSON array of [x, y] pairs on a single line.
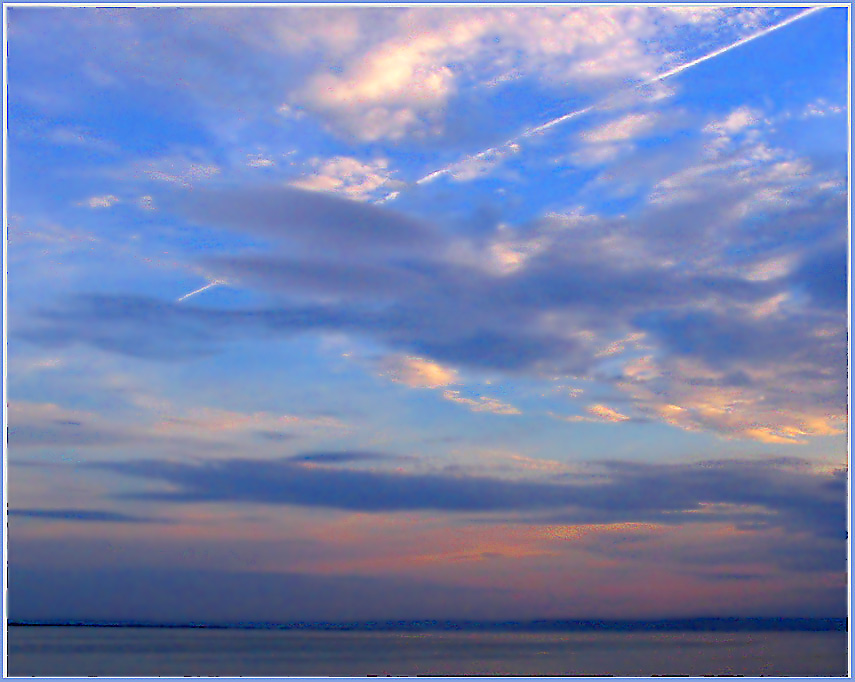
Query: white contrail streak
[[716, 53], [200, 290], [507, 145]]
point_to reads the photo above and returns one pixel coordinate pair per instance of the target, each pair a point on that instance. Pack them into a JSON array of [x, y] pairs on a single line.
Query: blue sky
[[456, 300]]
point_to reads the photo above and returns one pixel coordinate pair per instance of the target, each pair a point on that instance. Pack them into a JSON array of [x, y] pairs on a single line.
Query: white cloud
[[628, 127], [736, 121], [349, 176], [206, 420], [43, 364], [696, 400], [399, 77], [822, 108], [23, 411], [598, 154], [259, 161], [616, 347], [304, 29], [757, 177], [508, 255], [78, 137], [382, 91], [608, 141], [770, 306], [178, 170], [105, 201], [606, 413], [481, 164], [40, 424], [770, 269], [58, 236], [598, 413], [573, 419], [694, 14], [481, 404], [418, 372]]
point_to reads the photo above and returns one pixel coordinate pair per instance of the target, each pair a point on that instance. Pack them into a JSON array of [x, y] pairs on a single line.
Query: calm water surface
[[81, 651]]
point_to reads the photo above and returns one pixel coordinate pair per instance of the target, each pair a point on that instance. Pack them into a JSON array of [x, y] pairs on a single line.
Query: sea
[[69, 651]]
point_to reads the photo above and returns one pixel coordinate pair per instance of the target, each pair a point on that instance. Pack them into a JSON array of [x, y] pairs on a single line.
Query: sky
[[353, 313]]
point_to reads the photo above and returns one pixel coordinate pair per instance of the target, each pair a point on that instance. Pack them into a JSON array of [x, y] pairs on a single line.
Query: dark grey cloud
[[276, 436], [495, 349], [719, 338], [729, 576], [794, 548], [450, 313], [315, 221], [398, 281], [56, 432], [164, 330], [703, 224], [336, 279], [339, 457], [151, 48], [822, 275], [125, 593], [38, 593], [413, 300], [83, 515], [787, 495]]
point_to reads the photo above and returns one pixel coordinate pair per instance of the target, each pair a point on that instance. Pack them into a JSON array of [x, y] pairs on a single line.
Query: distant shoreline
[[666, 625]]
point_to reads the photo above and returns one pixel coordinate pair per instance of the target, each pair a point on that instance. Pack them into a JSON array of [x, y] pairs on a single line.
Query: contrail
[[508, 145], [200, 290], [716, 53]]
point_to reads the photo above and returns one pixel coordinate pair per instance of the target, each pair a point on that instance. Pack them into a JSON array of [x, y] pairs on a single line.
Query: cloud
[[40, 425], [312, 220], [822, 274], [754, 545], [348, 176], [822, 108], [82, 515], [599, 413], [479, 165], [105, 201], [617, 347], [606, 413], [259, 161], [748, 401], [521, 320], [275, 436], [753, 293], [628, 127], [47, 424], [613, 139], [417, 372], [332, 280], [375, 73], [41, 364], [790, 495], [208, 420], [55, 235], [481, 403], [339, 457], [735, 122], [178, 170], [133, 594], [400, 82]]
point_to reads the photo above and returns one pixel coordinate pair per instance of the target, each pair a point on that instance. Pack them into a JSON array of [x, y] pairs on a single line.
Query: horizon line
[[699, 623]]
